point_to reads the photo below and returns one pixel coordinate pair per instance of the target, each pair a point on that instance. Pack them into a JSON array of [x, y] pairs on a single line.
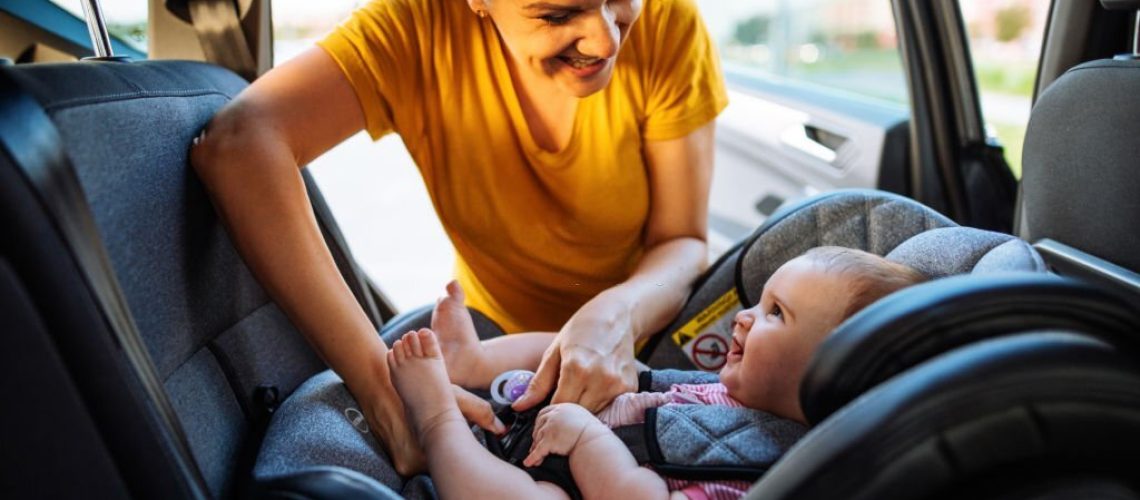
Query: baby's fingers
[[538, 453]]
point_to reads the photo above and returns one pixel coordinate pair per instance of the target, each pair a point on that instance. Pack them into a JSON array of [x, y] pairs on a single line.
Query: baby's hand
[[558, 430]]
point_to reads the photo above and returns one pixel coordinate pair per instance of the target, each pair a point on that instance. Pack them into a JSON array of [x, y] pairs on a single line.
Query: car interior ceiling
[[146, 361]]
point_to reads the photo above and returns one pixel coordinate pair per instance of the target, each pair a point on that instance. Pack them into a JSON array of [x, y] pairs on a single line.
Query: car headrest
[[874, 221], [1120, 4], [1079, 179], [918, 323], [1010, 410]]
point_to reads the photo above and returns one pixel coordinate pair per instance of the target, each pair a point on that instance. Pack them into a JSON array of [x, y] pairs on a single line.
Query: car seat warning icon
[[710, 352]]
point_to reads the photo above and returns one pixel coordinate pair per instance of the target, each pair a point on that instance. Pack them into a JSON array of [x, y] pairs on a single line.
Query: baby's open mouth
[[736, 347]]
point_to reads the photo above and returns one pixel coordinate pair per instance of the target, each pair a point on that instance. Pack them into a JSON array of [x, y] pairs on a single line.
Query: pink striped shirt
[[629, 409]]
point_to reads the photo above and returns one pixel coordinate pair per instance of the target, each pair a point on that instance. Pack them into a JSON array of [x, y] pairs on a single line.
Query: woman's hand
[[591, 360], [477, 411]]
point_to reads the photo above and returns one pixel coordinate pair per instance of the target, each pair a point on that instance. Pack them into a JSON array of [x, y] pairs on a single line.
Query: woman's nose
[[601, 36]]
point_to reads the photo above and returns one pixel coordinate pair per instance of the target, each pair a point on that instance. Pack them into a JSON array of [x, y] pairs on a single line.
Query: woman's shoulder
[[658, 15], [665, 26], [420, 15]]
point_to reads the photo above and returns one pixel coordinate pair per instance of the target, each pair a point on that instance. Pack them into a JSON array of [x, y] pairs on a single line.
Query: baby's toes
[[429, 343]]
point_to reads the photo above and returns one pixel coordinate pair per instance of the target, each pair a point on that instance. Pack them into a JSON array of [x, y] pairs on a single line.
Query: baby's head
[[803, 301]]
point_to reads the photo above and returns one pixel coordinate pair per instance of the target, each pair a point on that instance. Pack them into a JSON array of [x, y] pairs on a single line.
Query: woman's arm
[[249, 160], [592, 359]]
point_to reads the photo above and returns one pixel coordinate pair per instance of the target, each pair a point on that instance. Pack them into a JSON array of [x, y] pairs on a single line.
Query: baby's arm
[[601, 464]]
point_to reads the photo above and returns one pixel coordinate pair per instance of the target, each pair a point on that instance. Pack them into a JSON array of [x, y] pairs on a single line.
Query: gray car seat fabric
[[961, 250], [1080, 184], [868, 220], [321, 424], [225, 353], [697, 436]]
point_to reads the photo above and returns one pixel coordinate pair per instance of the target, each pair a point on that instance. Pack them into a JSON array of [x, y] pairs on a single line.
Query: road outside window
[[845, 45], [1005, 42]]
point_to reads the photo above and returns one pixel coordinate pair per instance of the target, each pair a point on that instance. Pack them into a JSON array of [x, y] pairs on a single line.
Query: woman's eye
[[557, 19]]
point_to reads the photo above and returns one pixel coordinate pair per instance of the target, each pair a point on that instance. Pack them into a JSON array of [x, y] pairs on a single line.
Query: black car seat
[[170, 356]]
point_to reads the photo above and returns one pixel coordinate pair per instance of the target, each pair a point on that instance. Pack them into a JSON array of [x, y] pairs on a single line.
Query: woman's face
[[572, 44]]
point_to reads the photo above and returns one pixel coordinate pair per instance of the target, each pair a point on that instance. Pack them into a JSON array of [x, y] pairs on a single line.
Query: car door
[[828, 94]]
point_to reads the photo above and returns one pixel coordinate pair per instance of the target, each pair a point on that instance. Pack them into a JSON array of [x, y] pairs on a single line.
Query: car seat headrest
[[1079, 182], [1041, 404], [959, 250], [921, 322], [869, 220]]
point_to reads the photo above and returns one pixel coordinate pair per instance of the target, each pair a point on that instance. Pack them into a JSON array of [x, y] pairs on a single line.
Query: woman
[[566, 146]]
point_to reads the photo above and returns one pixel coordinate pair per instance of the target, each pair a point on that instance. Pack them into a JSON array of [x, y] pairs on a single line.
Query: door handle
[[813, 141]]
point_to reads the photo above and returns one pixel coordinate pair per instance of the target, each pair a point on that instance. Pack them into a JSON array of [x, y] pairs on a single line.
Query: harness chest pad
[[716, 442]]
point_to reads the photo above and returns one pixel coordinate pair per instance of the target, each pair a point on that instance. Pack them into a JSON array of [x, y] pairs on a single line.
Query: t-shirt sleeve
[[378, 50], [685, 86]]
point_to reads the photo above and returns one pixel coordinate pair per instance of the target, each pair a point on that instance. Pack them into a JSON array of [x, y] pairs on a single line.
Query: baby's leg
[[459, 465], [474, 364]]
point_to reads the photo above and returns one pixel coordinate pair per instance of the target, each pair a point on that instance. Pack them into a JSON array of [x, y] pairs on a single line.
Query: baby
[[803, 301]]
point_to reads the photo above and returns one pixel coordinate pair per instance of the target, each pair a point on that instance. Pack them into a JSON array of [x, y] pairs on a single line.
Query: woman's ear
[[479, 7]]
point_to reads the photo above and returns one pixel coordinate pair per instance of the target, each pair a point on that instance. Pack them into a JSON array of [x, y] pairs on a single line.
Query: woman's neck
[[549, 112]]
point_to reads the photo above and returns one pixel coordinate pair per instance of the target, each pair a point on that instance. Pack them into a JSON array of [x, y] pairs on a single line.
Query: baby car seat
[[878, 222]]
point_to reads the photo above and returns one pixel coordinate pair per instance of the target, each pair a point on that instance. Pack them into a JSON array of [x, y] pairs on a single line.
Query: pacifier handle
[[510, 385]]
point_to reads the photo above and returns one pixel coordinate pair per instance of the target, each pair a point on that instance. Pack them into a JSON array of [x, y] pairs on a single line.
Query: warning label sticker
[[707, 337]]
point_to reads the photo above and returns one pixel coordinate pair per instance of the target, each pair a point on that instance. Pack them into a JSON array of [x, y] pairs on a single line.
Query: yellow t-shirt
[[536, 233]]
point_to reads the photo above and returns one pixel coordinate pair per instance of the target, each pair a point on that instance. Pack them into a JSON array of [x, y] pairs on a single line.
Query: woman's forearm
[[257, 188], [658, 288]]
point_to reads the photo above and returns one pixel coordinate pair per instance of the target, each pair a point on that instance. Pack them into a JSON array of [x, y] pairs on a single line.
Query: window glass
[[846, 45], [373, 188], [1005, 42], [126, 19]]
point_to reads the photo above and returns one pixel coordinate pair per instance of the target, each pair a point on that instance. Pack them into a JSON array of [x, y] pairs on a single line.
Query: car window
[[126, 19], [844, 45], [373, 188], [1005, 43]]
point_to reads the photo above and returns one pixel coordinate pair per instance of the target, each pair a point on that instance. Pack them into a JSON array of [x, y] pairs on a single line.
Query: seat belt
[[220, 32], [41, 159]]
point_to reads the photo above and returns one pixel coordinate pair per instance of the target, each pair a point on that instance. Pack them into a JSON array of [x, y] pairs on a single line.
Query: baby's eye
[[776, 311]]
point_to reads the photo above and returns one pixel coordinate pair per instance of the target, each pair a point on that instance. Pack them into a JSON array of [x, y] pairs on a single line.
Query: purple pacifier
[[509, 386]]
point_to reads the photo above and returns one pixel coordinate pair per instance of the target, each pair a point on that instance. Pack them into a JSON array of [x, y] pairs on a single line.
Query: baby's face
[[773, 341]]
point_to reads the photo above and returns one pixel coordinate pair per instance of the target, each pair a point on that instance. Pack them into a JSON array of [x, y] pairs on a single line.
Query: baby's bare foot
[[420, 378], [458, 341]]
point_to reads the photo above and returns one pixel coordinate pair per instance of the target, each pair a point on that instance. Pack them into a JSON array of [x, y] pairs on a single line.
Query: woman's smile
[[582, 67]]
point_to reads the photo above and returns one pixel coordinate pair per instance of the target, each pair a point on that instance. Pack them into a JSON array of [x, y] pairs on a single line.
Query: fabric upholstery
[[700, 435], [959, 250], [212, 333], [869, 220], [662, 380], [321, 425], [1079, 185]]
